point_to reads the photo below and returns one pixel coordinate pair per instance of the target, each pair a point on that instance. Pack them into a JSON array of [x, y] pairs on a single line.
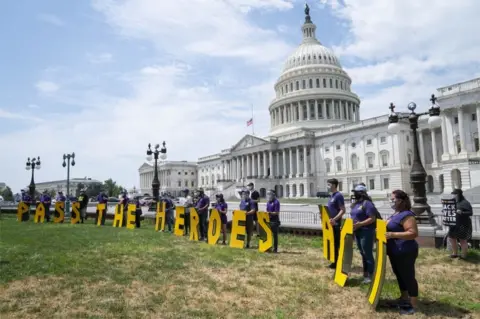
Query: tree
[[112, 189], [94, 189], [7, 194]]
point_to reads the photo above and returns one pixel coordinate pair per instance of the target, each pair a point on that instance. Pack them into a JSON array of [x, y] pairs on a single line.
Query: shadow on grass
[[286, 252], [427, 307]]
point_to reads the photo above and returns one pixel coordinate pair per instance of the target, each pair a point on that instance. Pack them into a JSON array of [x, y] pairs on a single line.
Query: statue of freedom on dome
[[307, 9]]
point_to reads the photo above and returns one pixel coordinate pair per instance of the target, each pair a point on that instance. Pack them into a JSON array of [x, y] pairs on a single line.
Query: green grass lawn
[[82, 271]]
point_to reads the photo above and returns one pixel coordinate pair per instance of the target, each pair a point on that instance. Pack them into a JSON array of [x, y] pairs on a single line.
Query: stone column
[[248, 165], [434, 146], [259, 165], [312, 159], [270, 157], [305, 162], [223, 170], [420, 145], [316, 109], [284, 110], [297, 150], [277, 166], [265, 164], [239, 168], [478, 122], [461, 130], [284, 166], [324, 109], [340, 106], [444, 136], [307, 103], [254, 165], [290, 157]]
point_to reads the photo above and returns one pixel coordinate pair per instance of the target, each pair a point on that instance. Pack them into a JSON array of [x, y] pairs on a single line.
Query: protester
[[138, 211], [462, 231], [255, 197], [102, 198], [124, 201], [187, 204], [83, 199], [336, 209], [169, 207], [402, 250], [363, 214], [202, 210], [46, 200], [222, 208], [248, 205], [273, 210]]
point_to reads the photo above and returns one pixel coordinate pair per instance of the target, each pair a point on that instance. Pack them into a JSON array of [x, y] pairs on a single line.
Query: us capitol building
[[316, 134]]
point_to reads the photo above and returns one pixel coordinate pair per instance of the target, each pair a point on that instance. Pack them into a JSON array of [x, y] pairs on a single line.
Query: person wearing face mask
[[402, 250], [462, 231], [273, 210], [222, 208], [255, 197], [336, 209], [187, 204], [247, 205], [363, 214], [202, 210]]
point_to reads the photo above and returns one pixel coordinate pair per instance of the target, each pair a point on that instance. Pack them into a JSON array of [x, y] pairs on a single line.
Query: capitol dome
[[313, 91]]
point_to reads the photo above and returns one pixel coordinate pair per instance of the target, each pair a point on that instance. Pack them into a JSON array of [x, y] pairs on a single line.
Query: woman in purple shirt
[[273, 210], [222, 208], [363, 214], [402, 250]]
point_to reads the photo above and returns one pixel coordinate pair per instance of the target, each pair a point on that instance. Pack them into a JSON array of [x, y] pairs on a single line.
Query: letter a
[[266, 238], [214, 227], [75, 213], [327, 233], [237, 238], [39, 214], [194, 224], [23, 211], [179, 221], [59, 214], [379, 274], [345, 253]]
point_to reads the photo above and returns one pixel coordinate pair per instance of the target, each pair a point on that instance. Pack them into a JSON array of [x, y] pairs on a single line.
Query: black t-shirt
[[83, 199], [255, 196]]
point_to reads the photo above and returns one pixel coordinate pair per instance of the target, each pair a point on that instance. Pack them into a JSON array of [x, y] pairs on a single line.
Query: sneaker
[[333, 266], [406, 309], [366, 280]]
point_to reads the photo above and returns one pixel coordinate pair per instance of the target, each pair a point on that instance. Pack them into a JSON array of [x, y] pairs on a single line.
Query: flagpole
[[253, 123]]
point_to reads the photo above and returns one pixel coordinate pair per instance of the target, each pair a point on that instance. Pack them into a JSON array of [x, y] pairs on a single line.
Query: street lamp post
[[418, 175], [67, 164], [163, 155], [32, 164]]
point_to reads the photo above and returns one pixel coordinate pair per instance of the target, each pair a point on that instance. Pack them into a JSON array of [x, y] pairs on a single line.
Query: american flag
[[250, 122]]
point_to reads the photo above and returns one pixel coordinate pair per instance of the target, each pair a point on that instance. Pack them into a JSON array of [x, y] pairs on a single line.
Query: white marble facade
[[316, 133]]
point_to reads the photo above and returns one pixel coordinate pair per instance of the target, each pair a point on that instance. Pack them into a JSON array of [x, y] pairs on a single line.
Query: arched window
[[318, 83], [338, 164], [354, 161], [328, 165], [203, 181], [297, 85], [370, 160], [331, 83], [324, 83], [310, 82], [384, 158]]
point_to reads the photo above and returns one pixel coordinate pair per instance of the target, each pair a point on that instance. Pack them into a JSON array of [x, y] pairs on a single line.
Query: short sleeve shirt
[[363, 210], [335, 203]]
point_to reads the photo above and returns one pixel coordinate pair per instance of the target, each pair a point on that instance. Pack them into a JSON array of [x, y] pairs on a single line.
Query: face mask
[[329, 188], [393, 204], [357, 195], [250, 188]]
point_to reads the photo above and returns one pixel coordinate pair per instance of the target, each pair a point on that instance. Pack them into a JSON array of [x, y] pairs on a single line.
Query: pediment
[[145, 167], [249, 141]]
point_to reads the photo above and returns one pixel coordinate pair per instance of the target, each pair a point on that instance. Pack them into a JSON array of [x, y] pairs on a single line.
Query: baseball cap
[[359, 188], [457, 191]]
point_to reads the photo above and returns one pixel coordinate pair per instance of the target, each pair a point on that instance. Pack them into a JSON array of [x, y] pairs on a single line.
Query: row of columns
[[333, 109], [146, 179], [266, 164]]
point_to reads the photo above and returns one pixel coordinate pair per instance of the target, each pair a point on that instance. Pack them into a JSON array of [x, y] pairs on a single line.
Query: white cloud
[[46, 87], [51, 19], [99, 58], [4, 114]]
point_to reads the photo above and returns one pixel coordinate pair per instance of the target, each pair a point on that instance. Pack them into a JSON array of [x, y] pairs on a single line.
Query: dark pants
[[47, 212], [169, 215], [274, 226], [187, 224], [138, 213], [249, 228], [203, 224], [365, 237], [336, 241], [403, 266]]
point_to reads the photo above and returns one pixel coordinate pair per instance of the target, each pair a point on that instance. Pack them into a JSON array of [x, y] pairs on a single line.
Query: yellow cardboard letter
[[131, 216], [23, 211], [214, 227], [39, 214], [379, 274], [75, 213], [345, 253], [102, 210], [237, 238], [327, 233], [59, 214], [160, 216], [266, 237], [194, 224], [118, 217], [179, 221]]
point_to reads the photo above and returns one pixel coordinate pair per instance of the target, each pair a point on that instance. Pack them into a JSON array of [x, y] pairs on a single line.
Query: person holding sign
[[462, 230], [187, 204], [202, 210], [363, 214], [46, 200], [273, 210], [83, 199], [222, 208], [402, 250], [255, 197], [336, 209], [247, 205]]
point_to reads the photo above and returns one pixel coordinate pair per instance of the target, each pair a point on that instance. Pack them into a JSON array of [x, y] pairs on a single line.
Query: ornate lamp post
[[163, 155], [418, 175], [32, 164], [67, 164]]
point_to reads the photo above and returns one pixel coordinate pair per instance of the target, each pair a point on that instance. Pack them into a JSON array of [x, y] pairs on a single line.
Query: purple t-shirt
[[362, 211], [221, 207], [335, 203], [397, 246], [273, 207], [202, 202]]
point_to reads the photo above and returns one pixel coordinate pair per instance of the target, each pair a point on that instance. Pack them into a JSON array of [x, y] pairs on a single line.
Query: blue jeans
[[169, 215], [364, 238]]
